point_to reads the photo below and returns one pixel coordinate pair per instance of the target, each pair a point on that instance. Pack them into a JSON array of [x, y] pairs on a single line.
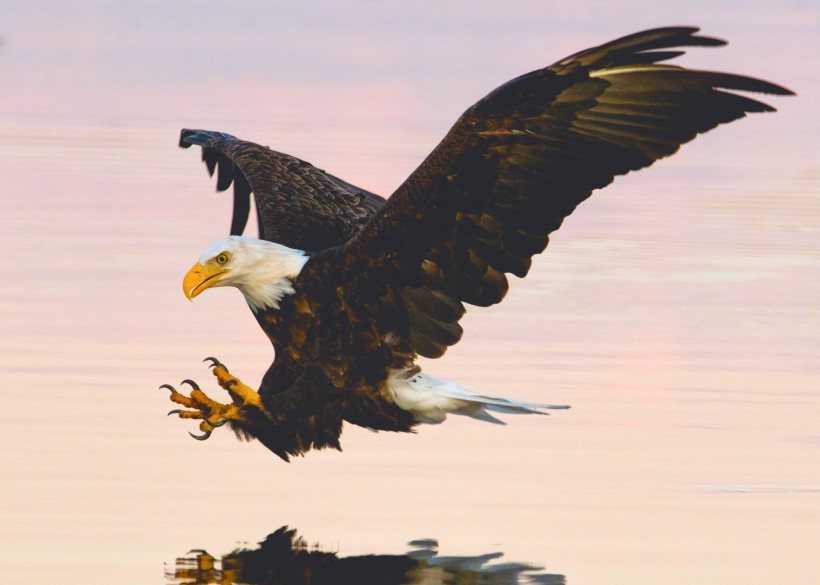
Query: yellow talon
[[240, 393], [212, 413]]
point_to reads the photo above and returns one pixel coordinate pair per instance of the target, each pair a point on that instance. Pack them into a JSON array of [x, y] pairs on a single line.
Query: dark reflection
[[284, 558]]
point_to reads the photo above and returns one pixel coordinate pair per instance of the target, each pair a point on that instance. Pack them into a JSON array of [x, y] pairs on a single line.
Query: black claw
[[218, 423], [175, 411], [190, 383], [169, 387], [214, 363], [201, 437]]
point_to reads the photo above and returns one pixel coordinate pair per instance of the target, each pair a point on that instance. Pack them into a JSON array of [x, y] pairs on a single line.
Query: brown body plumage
[[387, 281]]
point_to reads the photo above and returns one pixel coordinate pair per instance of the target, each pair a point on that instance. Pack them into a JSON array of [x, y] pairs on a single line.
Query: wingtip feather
[[188, 137]]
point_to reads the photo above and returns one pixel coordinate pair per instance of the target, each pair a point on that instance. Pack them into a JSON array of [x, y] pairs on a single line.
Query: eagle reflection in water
[[284, 558]]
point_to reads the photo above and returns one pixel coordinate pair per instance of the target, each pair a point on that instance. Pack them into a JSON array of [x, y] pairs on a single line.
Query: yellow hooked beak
[[200, 277]]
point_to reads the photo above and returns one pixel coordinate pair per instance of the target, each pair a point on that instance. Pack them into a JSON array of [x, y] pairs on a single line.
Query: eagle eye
[[222, 258]]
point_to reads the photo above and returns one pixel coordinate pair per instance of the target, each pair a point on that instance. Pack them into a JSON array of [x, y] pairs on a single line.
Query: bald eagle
[[351, 288]]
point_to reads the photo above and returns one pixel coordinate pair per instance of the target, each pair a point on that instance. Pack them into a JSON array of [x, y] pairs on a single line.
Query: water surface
[[678, 311]]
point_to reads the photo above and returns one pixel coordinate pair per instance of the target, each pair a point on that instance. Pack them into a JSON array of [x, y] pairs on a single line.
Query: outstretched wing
[[521, 159], [297, 204]]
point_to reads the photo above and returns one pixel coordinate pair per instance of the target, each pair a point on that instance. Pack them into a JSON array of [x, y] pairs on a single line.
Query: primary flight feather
[[351, 288]]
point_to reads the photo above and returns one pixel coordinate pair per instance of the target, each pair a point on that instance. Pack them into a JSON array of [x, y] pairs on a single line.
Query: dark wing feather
[[227, 175], [297, 204], [520, 160]]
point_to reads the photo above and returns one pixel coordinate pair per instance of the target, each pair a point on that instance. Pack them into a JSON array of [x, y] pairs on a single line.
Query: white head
[[263, 271]]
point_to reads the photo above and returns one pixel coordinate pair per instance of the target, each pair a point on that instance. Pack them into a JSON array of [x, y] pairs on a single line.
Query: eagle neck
[[272, 278]]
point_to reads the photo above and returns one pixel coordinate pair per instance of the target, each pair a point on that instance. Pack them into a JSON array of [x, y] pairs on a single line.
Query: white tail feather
[[430, 399]]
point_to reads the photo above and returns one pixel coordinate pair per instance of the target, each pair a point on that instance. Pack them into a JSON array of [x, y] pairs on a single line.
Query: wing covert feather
[[298, 205]]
